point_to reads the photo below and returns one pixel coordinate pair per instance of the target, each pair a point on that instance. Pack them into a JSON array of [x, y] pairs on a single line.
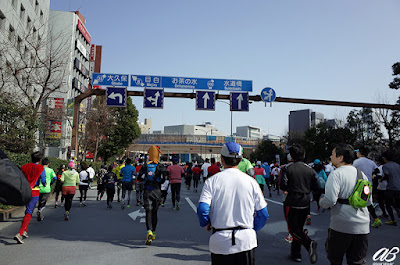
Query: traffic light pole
[[101, 92]]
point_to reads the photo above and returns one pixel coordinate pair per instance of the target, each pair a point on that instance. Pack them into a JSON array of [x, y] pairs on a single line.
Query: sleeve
[[43, 178], [206, 193], [260, 219], [259, 201], [284, 180], [332, 188], [77, 180]]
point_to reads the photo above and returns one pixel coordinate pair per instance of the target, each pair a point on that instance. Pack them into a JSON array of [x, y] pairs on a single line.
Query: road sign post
[[153, 98]]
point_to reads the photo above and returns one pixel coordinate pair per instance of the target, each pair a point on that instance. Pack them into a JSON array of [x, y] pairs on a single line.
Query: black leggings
[[195, 182], [381, 200], [68, 201], [176, 193], [110, 195], [164, 194], [83, 190]]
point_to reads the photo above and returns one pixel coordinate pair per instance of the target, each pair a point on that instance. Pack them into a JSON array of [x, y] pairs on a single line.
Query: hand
[[208, 227]]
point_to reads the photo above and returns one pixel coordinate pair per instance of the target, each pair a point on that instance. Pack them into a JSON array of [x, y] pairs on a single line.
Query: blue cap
[[317, 161], [231, 149]]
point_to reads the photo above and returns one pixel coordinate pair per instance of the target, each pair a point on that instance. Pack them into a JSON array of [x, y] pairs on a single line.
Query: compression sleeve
[[203, 210], [260, 219]]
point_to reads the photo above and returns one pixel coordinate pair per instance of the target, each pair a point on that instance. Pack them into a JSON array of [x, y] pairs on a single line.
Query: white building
[[249, 132], [145, 127], [204, 129]]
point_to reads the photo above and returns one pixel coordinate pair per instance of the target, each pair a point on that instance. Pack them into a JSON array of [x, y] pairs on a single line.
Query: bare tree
[[390, 119]]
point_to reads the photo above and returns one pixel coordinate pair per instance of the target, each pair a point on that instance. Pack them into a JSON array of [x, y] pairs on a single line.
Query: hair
[[175, 161], [345, 150], [207, 160], [110, 168], [297, 152], [128, 161], [318, 167], [363, 150], [36, 157], [62, 166], [212, 160], [84, 166], [121, 161], [140, 160], [389, 155], [45, 161], [231, 161]]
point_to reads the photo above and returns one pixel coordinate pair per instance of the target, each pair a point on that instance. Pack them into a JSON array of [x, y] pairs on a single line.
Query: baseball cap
[[231, 149], [317, 161], [357, 150]]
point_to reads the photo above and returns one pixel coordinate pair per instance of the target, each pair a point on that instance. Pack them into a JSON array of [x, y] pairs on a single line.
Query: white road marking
[[191, 204]]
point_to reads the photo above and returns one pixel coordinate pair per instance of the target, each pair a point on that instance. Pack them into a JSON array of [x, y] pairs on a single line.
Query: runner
[[175, 178], [196, 176], [259, 173], [204, 169], [139, 186], [128, 174], [100, 185], [213, 169], [34, 172], [117, 170], [83, 184], [58, 186], [276, 172], [320, 170], [45, 190], [70, 179], [268, 181], [188, 175], [246, 167], [109, 181], [165, 189], [153, 174]]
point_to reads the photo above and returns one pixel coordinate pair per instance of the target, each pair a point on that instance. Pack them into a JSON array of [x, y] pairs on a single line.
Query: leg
[[80, 193], [336, 246], [173, 194], [357, 250], [381, 202], [129, 197], [28, 215], [389, 203], [68, 201], [156, 198]]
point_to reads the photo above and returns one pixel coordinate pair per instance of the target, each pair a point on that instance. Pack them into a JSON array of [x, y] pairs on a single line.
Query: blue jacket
[[267, 169], [128, 172]]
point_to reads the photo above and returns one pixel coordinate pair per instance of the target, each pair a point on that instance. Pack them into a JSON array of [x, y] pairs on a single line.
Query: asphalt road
[[96, 235]]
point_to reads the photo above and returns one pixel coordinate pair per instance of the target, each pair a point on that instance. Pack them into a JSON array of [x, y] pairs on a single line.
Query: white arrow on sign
[[134, 215], [155, 99], [240, 99], [113, 96], [205, 97]]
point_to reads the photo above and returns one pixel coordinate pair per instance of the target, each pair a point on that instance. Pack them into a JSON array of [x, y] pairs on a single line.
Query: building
[[70, 36], [145, 127], [204, 129], [249, 132], [302, 120]]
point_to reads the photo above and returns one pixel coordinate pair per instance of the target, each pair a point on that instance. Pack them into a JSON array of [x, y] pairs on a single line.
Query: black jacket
[[299, 180]]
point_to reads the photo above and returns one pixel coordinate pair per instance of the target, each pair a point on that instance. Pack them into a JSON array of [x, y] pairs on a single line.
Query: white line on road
[[269, 200], [191, 204]]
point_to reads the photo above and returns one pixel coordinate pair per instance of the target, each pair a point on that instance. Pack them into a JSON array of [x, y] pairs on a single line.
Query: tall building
[[249, 132], [145, 127], [302, 120], [69, 34]]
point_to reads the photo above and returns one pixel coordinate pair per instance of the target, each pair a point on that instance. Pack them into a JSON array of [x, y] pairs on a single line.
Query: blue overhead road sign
[[239, 101], [100, 79], [153, 98], [205, 100], [268, 94], [191, 83], [116, 97]]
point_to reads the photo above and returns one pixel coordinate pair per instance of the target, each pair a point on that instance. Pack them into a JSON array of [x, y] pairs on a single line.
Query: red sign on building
[[92, 52], [84, 32]]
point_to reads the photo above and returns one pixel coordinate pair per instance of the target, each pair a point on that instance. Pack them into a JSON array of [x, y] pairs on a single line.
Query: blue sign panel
[[99, 79], [191, 83], [239, 101], [268, 94], [145, 81], [205, 100], [116, 97], [153, 98]]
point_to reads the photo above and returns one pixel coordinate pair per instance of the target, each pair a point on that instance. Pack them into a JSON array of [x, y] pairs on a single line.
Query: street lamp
[[206, 132], [231, 116]]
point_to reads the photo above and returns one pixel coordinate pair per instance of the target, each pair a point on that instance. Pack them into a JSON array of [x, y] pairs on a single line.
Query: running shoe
[[18, 238], [149, 237], [128, 206], [308, 220], [123, 206], [394, 223], [377, 223], [162, 205], [177, 206], [55, 205], [66, 215], [39, 217], [62, 205], [298, 259], [25, 234], [289, 238], [154, 236], [313, 252]]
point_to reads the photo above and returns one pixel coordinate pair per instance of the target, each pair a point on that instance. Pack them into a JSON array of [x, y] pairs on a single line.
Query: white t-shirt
[[91, 172], [234, 197], [204, 167], [83, 175], [366, 165]]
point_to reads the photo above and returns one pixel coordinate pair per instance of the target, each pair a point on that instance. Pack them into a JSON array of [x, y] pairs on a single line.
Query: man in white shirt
[[227, 205], [205, 167], [367, 166], [349, 227]]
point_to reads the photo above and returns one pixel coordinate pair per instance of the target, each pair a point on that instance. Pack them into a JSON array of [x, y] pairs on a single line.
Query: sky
[[332, 50]]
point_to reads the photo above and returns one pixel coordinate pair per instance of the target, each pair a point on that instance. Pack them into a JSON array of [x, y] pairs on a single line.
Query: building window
[[11, 34], [19, 42], [2, 20], [34, 32], [22, 12], [41, 15]]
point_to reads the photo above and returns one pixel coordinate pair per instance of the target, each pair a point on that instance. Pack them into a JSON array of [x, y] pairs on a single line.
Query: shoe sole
[[313, 252]]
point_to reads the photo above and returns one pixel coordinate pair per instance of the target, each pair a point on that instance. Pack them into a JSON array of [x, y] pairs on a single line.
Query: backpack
[[322, 181], [14, 187], [361, 193], [151, 179]]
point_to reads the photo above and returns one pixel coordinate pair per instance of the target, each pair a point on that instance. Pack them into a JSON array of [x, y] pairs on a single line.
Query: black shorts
[[127, 185], [241, 258]]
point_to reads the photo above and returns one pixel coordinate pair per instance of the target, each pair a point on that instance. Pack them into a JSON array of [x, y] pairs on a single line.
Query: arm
[[260, 219], [142, 173], [284, 180], [332, 188], [42, 178]]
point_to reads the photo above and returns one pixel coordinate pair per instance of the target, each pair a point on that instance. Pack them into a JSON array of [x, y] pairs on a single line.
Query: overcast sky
[[333, 50]]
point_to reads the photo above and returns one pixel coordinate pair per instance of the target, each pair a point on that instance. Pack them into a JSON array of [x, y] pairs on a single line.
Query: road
[[95, 235]]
